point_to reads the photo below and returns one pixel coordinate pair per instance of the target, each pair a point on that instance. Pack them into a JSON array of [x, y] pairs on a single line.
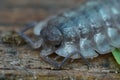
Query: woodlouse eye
[[57, 45]]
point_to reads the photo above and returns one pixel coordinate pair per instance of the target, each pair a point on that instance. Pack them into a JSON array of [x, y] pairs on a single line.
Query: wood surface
[[24, 63]]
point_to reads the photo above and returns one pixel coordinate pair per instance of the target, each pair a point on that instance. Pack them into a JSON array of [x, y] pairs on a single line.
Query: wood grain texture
[[22, 62]]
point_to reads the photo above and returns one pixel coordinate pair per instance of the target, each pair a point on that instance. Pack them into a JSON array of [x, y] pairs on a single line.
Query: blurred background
[[16, 13]]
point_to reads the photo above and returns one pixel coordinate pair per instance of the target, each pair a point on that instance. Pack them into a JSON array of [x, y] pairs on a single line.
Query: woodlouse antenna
[[36, 44]]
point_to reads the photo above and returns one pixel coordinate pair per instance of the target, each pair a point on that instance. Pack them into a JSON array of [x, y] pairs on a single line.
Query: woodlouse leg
[[56, 64], [65, 59], [84, 59], [50, 61], [21, 33]]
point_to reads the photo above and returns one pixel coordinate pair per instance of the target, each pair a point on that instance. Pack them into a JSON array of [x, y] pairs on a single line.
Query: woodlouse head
[[52, 36]]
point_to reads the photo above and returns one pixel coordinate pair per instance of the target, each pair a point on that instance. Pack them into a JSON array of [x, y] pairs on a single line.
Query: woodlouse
[[84, 32]]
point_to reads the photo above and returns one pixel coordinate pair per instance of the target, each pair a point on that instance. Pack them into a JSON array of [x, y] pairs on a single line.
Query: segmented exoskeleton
[[80, 32]]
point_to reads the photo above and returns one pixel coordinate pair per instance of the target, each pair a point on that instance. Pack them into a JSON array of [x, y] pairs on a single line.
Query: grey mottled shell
[[91, 27]]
